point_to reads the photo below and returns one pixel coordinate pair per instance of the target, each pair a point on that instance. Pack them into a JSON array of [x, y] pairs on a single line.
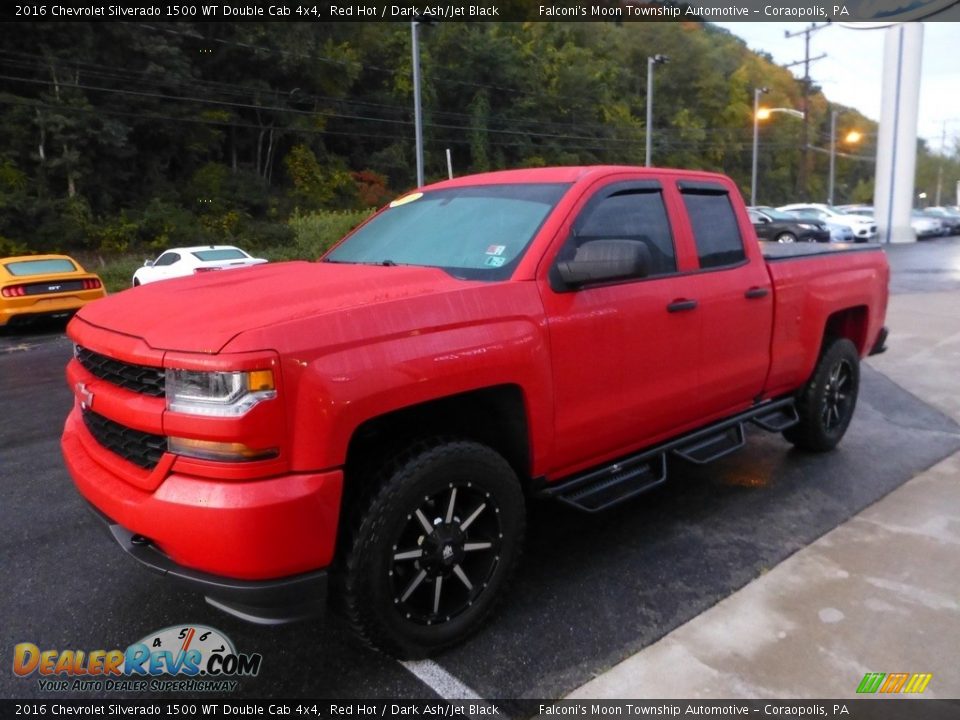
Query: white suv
[[864, 228]]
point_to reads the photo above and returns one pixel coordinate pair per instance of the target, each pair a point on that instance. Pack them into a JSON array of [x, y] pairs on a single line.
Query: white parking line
[[446, 685], [439, 680]]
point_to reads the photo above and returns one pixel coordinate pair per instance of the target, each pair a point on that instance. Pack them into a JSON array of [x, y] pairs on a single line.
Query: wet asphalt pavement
[[591, 589]]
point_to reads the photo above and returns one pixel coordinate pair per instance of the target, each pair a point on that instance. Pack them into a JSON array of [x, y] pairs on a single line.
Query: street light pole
[[417, 117], [651, 61], [833, 154], [757, 92]]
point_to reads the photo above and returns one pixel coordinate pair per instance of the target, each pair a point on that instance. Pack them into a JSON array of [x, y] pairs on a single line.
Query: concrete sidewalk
[[880, 593]]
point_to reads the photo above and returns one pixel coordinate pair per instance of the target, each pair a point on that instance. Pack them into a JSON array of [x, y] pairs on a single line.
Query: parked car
[[925, 226], [858, 209], [781, 227], [377, 422], [864, 229], [33, 287], [949, 218], [840, 233], [180, 262]]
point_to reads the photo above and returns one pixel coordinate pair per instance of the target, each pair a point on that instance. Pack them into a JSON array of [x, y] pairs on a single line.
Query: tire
[[827, 402], [410, 592], [786, 237], [136, 282]]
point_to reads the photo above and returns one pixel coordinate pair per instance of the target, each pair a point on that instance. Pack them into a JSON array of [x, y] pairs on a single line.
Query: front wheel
[[827, 401], [434, 549]]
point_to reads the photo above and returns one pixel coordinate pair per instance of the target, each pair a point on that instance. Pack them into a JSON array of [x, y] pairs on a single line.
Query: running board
[[603, 488], [607, 485], [713, 447], [777, 419]]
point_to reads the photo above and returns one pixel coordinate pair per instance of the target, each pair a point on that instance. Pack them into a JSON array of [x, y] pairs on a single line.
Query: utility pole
[[417, 113], [805, 148], [651, 61]]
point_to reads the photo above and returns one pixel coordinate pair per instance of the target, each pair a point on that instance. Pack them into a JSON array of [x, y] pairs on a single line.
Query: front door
[[625, 354]]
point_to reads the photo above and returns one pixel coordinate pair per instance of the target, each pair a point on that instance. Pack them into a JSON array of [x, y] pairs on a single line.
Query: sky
[[851, 73]]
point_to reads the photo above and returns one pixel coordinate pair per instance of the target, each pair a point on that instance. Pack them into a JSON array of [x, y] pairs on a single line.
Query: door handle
[[681, 305], [756, 292]]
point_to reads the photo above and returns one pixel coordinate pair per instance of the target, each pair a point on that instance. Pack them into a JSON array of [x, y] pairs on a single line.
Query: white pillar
[[897, 142]]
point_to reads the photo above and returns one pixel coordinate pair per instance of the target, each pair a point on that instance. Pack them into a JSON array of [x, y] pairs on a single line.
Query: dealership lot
[[591, 589]]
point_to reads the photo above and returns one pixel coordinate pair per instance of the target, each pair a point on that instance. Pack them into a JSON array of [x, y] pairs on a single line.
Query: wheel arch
[[495, 416], [851, 323]]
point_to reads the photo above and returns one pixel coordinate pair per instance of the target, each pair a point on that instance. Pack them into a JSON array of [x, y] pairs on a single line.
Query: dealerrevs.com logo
[[180, 658], [898, 682]]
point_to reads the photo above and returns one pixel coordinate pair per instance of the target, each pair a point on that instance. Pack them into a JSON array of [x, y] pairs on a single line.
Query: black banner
[[872, 11], [860, 709]]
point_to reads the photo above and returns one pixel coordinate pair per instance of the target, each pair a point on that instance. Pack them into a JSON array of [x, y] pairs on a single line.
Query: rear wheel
[[136, 282], [827, 401], [434, 548], [786, 237]]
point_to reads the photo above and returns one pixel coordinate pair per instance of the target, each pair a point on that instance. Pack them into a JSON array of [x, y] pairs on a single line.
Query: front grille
[[138, 447], [136, 378]]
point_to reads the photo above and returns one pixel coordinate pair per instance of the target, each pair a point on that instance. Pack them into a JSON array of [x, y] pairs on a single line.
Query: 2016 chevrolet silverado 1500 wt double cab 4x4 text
[[378, 419]]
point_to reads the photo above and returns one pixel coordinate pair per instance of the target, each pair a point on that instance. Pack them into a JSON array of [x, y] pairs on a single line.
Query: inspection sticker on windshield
[[406, 199], [496, 249], [494, 261]]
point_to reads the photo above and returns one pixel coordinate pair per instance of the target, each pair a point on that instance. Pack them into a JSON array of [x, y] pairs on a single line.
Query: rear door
[[625, 354], [735, 299]]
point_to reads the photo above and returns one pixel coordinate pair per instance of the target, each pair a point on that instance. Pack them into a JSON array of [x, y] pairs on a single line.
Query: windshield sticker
[[494, 261], [406, 199], [496, 249]]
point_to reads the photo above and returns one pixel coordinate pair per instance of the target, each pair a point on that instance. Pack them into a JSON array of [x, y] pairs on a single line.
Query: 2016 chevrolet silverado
[[377, 420]]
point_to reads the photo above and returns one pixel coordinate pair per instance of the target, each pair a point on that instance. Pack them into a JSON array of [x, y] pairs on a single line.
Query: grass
[[313, 235]]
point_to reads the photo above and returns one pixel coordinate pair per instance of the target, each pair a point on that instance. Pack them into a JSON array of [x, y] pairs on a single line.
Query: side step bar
[[611, 484]]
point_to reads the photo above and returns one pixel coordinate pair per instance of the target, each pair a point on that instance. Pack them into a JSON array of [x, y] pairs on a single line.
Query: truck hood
[[202, 313]]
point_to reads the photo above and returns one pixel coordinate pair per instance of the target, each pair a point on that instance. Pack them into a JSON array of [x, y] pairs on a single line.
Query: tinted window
[[222, 254], [166, 259], [631, 215], [40, 267], [715, 229]]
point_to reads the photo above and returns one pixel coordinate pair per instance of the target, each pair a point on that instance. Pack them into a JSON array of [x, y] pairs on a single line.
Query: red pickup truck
[[376, 421]]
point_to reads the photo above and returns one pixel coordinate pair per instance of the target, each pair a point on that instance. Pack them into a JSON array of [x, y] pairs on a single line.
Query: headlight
[[806, 227], [224, 394]]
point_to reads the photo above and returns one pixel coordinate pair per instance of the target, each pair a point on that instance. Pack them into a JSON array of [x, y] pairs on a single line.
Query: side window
[[715, 229], [166, 259], [637, 215]]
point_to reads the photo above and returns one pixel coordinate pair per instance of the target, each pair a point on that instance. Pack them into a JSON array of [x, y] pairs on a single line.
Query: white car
[[180, 262], [864, 228], [925, 226]]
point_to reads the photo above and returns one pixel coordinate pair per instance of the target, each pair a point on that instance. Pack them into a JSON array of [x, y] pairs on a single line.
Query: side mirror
[[602, 260], [148, 263]]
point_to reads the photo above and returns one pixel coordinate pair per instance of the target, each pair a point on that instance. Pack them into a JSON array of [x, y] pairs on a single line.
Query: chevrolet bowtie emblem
[[84, 395]]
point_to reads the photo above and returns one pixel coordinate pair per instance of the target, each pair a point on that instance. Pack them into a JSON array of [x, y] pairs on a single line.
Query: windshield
[[40, 267], [477, 233], [220, 254]]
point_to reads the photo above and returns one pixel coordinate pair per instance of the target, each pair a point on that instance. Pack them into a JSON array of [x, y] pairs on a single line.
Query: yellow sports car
[[33, 287]]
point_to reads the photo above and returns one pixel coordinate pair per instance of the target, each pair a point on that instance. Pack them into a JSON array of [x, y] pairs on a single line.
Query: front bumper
[[255, 548], [266, 602]]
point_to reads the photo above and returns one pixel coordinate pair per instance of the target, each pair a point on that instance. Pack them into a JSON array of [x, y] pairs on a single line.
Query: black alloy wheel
[[827, 402], [434, 547], [446, 554]]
